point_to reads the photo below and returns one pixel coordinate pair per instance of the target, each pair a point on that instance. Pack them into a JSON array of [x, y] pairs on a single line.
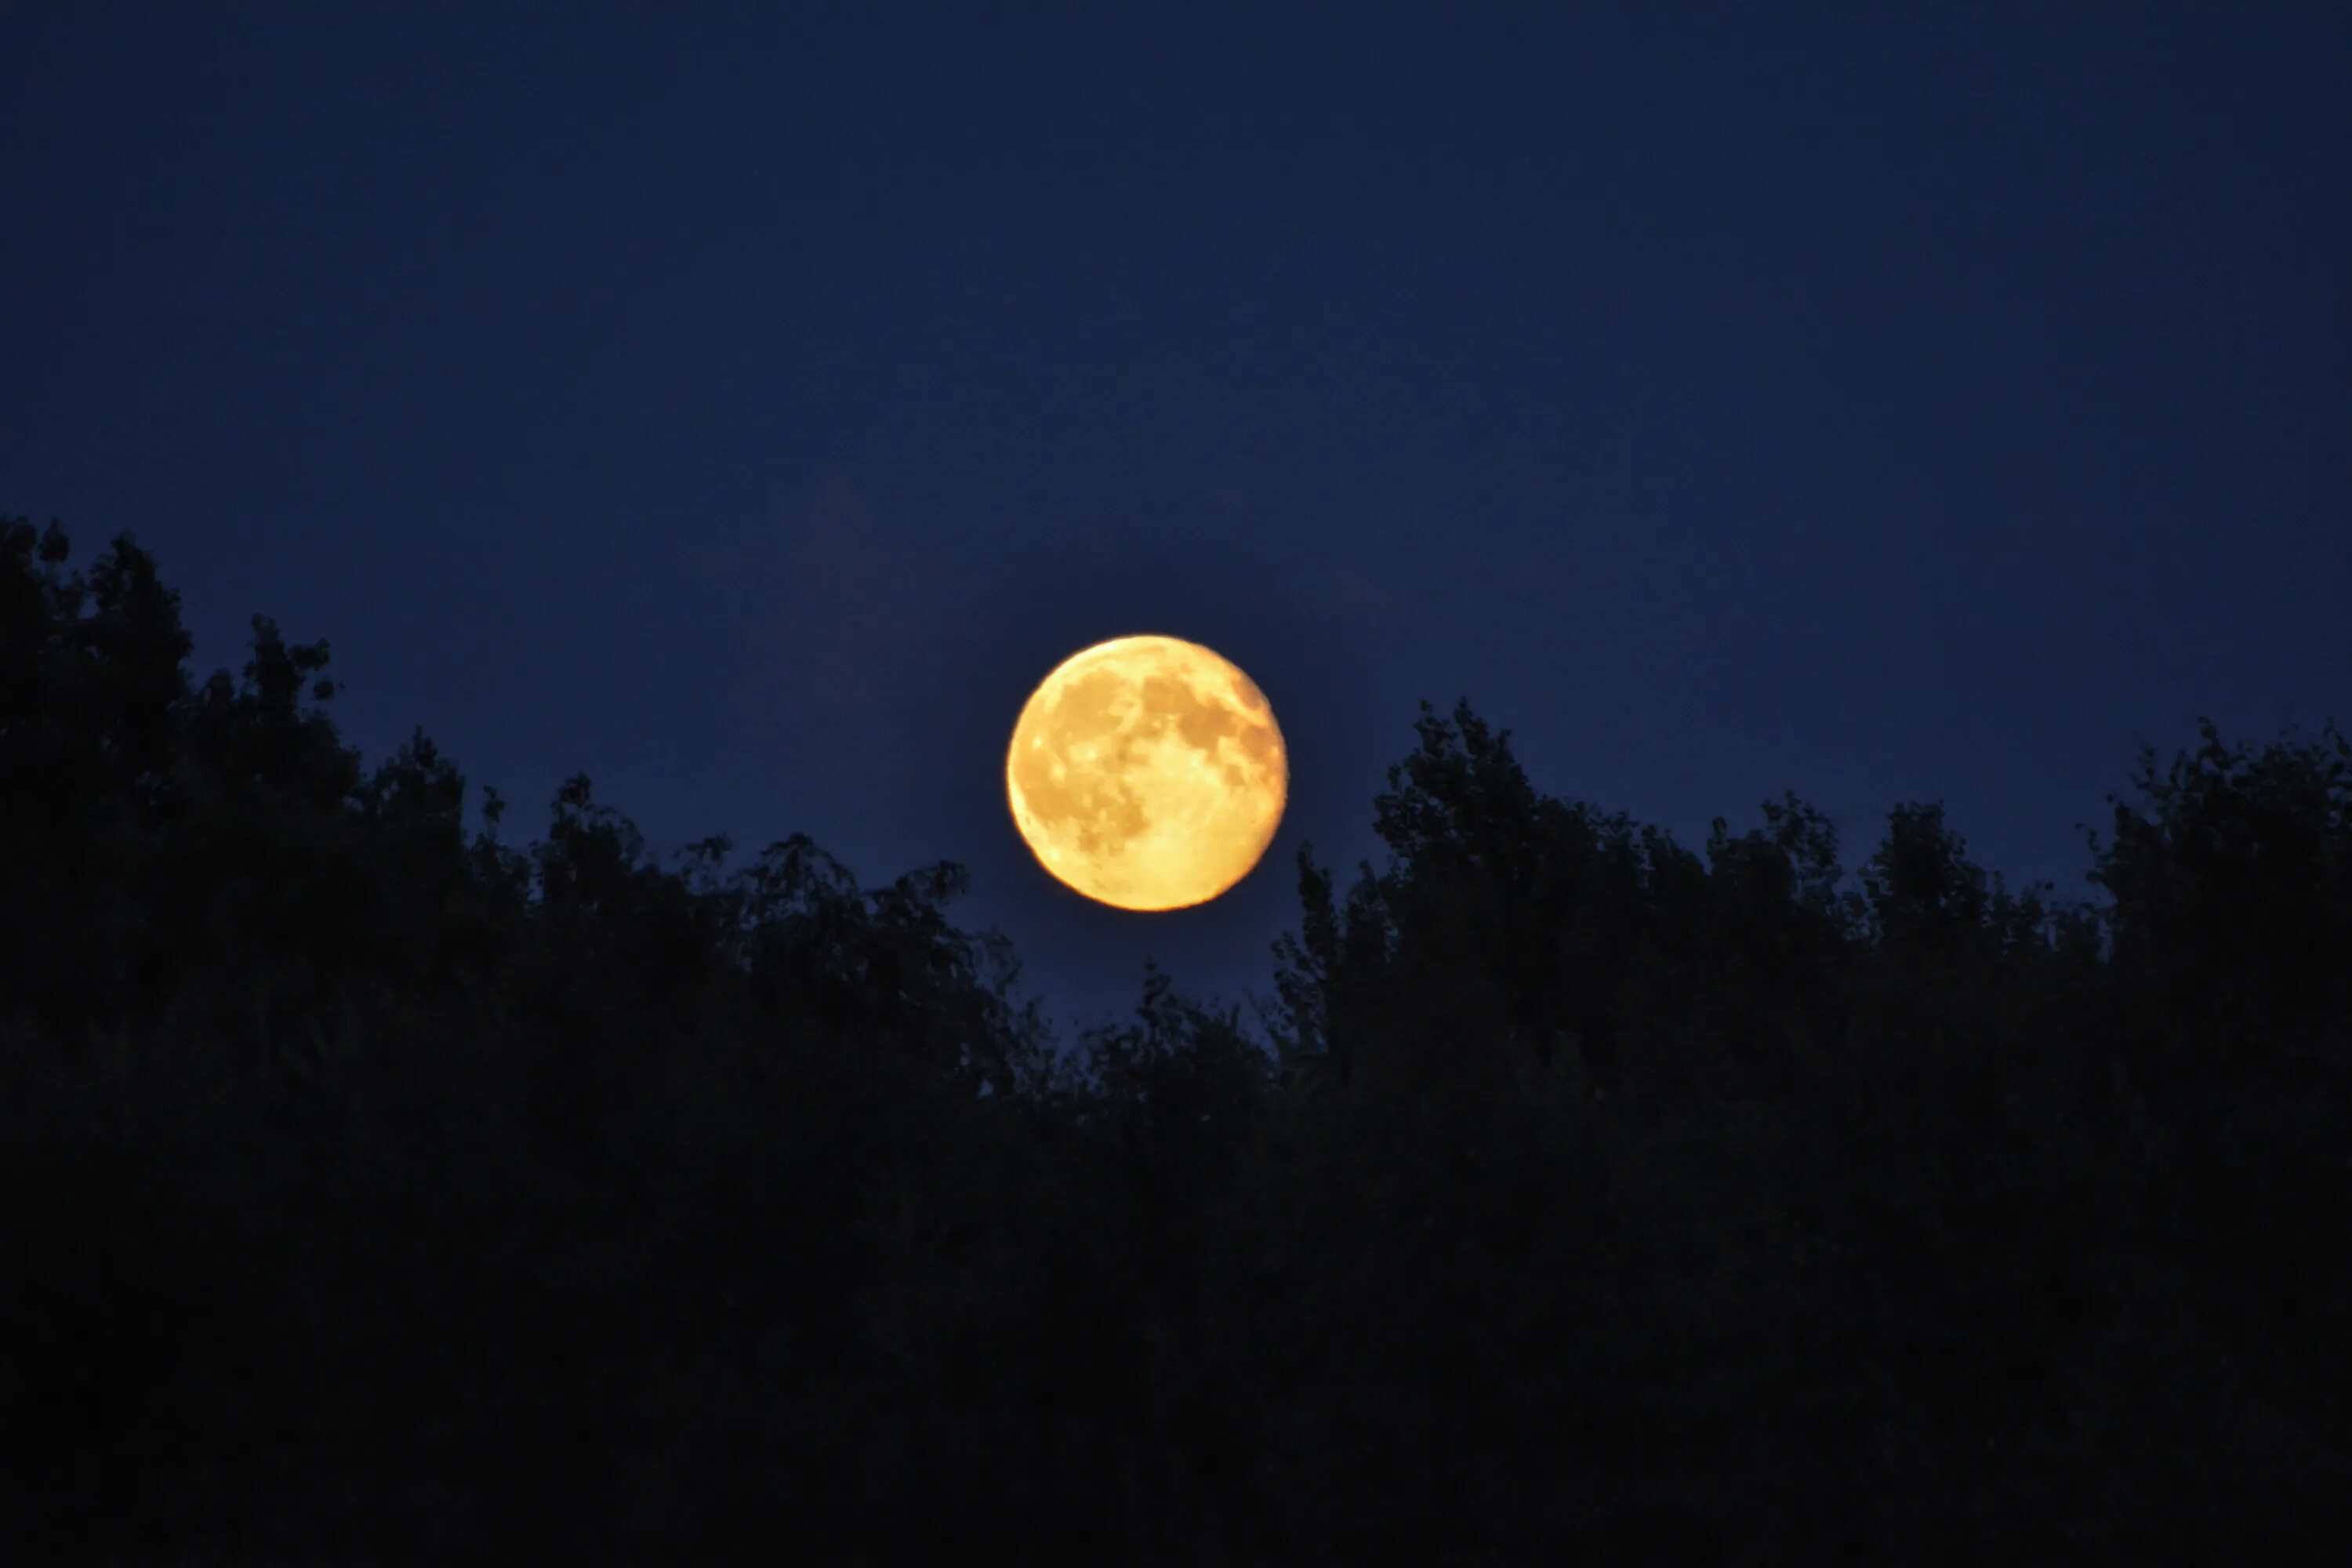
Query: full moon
[[1147, 773]]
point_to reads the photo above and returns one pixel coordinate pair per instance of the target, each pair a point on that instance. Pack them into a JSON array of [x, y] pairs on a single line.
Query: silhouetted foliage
[[381, 1191]]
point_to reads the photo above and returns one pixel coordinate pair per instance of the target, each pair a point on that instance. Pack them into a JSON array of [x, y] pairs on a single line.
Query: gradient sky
[[746, 405]]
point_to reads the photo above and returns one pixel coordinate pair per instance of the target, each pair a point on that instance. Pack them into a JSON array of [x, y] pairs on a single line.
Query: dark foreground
[[375, 1191]]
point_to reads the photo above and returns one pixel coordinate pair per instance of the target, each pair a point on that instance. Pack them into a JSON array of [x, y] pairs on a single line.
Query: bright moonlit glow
[[1147, 772]]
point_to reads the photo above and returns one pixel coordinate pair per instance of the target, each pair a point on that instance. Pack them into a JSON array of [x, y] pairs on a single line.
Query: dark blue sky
[[1881, 402]]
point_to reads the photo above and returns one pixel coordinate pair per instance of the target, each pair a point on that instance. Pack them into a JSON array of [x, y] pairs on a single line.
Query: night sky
[[746, 404]]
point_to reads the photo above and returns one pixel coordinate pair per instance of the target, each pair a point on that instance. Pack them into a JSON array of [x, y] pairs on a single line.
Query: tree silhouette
[[381, 1190]]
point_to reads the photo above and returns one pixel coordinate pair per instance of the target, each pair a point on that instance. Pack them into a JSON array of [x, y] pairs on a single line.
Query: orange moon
[[1147, 772]]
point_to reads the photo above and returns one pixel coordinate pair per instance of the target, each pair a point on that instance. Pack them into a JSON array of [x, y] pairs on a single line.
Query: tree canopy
[[381, 1190]]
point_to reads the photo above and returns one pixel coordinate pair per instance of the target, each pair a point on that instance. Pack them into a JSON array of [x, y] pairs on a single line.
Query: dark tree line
[[374, 1190]]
